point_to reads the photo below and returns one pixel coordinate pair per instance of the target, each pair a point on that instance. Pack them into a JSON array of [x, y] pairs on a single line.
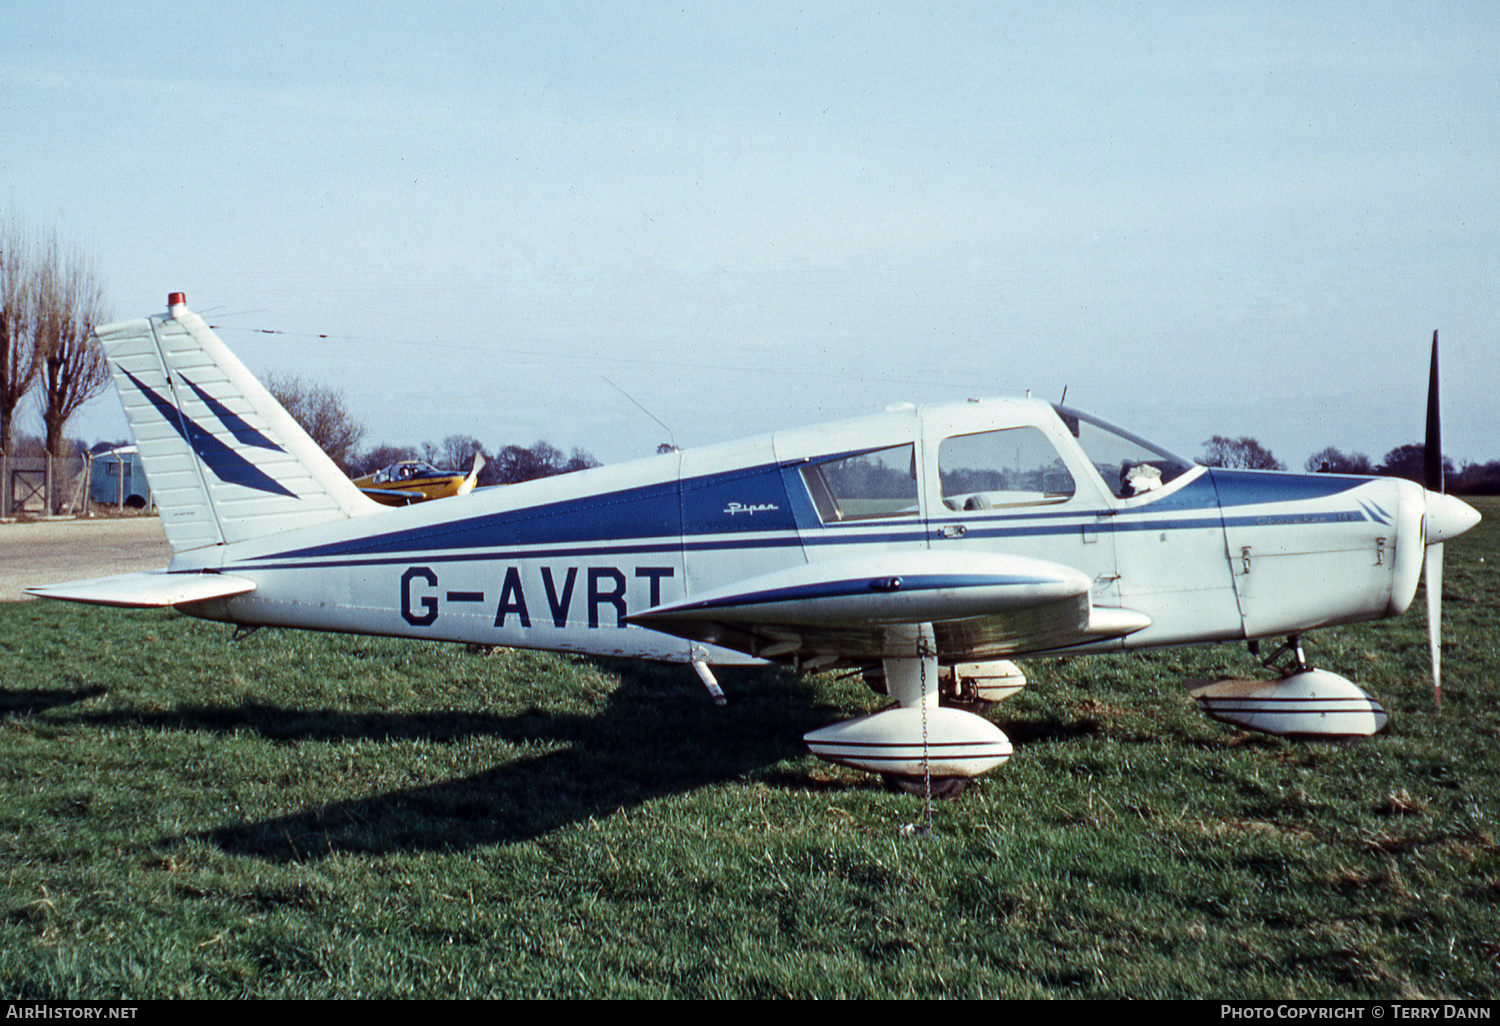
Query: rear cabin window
[[882, 483], [994, 469]]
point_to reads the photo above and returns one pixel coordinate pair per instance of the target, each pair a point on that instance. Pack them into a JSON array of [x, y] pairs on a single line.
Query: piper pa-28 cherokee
[[928, 546]]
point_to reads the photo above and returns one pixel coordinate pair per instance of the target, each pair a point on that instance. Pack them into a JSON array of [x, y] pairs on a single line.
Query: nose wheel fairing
[[1310, 705]]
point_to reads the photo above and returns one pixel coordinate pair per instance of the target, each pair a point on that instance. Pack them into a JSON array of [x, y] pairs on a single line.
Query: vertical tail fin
[[225, 462]]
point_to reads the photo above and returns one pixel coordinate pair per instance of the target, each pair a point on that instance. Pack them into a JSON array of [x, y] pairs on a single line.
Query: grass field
[[300, 815]]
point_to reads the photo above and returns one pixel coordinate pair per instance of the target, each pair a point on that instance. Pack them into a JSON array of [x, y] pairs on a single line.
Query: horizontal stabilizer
[[146, 590]]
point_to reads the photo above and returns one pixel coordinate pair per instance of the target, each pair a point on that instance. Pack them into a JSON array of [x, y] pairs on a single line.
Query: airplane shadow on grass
[[650, 742], [29, 701], [658, 735]]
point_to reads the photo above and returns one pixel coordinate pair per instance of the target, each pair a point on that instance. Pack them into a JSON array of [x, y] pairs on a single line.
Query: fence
[[43, 484]]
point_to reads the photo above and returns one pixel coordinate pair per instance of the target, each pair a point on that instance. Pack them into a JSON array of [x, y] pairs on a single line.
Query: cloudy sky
[[1241, 219]]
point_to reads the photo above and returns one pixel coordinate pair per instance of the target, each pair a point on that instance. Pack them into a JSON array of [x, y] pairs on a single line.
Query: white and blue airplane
[[928, 546]]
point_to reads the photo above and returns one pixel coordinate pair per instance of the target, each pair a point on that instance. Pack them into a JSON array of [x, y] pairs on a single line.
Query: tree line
[[326, 418], [51, 300], [510, 464], [1406, 461]]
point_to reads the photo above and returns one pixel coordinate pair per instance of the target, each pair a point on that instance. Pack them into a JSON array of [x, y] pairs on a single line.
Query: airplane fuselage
[[1203, 554]]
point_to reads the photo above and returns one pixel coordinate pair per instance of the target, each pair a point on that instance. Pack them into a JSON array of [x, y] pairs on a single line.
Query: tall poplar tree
[[19, 360], [69, 306]]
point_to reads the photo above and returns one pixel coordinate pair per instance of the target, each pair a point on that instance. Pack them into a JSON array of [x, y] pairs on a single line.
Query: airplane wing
[[394, 493], [981, 606], [145, 590]]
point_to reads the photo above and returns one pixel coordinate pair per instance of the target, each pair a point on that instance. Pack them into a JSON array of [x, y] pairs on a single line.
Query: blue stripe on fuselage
[[1255, 487], [752, 499], [769, 501], [653, 511]]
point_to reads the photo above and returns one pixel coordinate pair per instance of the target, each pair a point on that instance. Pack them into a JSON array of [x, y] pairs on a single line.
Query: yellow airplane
[[412, 481]]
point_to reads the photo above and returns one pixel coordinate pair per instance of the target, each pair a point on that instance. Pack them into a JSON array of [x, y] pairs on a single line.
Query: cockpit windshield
[[405, 472], [1129, 464]]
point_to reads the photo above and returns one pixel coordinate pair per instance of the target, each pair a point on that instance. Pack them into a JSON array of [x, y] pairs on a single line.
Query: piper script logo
[[739, 507]]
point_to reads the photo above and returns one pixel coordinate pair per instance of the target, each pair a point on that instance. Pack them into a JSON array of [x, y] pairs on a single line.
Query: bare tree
[[27, 446], [1410, 462], [579, 459], [19, 361], [458, 452], [69, 305], [322, 413], [1242, 453], [1333, 461], [514, 464]]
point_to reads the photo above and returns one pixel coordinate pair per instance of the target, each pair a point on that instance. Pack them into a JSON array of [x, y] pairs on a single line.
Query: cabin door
[[1016, 488]]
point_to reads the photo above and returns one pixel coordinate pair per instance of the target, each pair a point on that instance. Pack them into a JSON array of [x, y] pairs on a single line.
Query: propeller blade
[[1432, 473], [468, 483], [1432, 462], [1434, 583], [1446, 517]]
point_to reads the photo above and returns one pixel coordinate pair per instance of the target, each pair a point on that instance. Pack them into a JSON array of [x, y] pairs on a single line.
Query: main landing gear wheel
[[942, 787], [979, 707]]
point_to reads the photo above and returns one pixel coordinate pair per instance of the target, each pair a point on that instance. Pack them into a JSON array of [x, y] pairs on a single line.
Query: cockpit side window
[[1130, 465], [870, 485], [1010, 467]]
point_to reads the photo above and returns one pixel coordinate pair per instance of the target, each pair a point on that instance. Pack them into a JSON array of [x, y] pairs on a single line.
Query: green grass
[[301, 815]]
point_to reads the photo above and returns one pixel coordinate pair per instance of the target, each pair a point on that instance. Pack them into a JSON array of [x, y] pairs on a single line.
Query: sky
[[539, 221]]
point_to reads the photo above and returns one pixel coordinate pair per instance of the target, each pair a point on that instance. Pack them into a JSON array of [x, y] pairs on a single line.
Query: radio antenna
[[672, 437]]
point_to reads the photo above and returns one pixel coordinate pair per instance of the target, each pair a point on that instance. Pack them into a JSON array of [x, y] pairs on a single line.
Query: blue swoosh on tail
[[227, 465], [243, 432]]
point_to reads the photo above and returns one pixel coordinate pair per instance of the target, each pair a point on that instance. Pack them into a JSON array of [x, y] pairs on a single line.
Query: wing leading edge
[[980, 606]]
